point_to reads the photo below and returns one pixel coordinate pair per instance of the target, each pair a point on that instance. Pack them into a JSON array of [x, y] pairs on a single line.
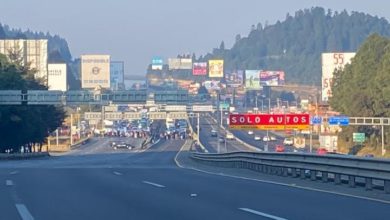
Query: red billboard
[[271, 78], [269, 121], [199, 69]]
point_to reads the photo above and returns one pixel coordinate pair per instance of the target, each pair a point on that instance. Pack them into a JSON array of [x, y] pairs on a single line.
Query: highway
[[97, 182]]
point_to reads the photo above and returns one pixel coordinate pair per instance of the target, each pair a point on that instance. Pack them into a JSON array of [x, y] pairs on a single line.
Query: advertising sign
[[180, 64], [56, 78], [186, 63], [269, 121], [271, 78], [252, 80], [235, 78], [174, 63], [215, 68], [199, 69], [117, 74], [95, 71], [202, 108], [330, 63], [212, 85], [157, 63]]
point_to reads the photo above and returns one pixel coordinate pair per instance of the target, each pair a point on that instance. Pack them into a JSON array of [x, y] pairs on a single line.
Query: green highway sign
[[359, 137]]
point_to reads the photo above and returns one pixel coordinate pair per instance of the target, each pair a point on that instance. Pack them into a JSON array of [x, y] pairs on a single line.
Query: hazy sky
[[136, 30]]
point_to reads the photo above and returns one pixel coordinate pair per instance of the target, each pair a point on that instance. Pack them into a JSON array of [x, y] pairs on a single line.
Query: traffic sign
[[338, 120], [359, 137], [316, 120], [157, 115], [224, 106]]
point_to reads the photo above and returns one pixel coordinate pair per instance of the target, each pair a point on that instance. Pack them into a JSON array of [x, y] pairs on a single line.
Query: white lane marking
[[262, 214], [153, 184], [9, 183], [14, 172], [23, 212], [117, 173]]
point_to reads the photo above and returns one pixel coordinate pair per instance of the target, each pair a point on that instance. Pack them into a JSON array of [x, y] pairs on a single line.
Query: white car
[[257, 138], [266, 138], [229, 136], [250, 132], [288, 141], [273, 138]]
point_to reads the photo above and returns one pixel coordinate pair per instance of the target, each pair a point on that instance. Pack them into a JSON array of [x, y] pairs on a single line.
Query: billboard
[[95, 71], [117, 74], [199, 69], [180, 64], [269, 121], [252, 79], [271, 78], [215, 68], [235, 79], [211, 85], [56, 78], [157, 63], [330, 63]]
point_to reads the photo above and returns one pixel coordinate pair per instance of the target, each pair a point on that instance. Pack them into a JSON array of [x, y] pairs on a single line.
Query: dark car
[[121, 145]]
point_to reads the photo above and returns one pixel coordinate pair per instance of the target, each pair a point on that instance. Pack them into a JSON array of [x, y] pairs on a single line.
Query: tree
[[24, 125]]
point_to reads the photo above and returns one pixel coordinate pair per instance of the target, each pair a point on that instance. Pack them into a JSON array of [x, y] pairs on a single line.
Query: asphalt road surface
[[97, 182]]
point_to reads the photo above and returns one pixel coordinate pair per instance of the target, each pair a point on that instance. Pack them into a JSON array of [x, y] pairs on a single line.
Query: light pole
[[269, 110]]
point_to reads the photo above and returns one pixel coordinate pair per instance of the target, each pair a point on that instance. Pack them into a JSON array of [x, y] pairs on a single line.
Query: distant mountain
[[295, 44]]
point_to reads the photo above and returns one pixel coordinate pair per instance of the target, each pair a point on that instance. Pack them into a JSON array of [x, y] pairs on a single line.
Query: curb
[[24, 156]]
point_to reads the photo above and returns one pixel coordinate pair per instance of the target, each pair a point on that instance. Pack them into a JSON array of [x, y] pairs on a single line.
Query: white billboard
[[330, 63], [95, 71], [57, 79], [179, 63], [117, 75]]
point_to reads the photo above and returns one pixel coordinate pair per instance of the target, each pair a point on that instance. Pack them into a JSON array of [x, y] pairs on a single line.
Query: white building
[[33, 52], [57, 78]]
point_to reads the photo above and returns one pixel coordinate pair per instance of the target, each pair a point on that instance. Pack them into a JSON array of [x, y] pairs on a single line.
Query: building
[[117, 75], [57, 76], [95, 71], [33, 52]]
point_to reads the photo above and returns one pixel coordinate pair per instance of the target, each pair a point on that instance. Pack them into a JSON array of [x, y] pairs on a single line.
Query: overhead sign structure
[[113, 115], [359, 137], [215, 68], [157, 115], [330, 63], [338, 120], [93, 115], [177, 115], [176, 108], [132, 115], [202, 108], [269, 121]]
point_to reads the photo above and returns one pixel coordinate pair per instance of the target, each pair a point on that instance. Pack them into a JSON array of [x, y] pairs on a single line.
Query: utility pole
[[198, 128], [218, 116]]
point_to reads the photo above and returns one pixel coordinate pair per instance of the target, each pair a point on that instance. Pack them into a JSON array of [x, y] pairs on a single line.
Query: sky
[[134, 31]]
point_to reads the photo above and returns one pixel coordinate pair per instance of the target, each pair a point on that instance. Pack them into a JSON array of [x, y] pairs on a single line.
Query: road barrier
[[305, 166], [23, 156]]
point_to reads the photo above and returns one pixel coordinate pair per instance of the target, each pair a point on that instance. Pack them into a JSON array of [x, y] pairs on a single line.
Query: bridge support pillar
[[324, 177], [279, 171], [313, 175], [294, 172], [302, 173], [337, 179], [387, 186], [368, 183], [352, 181], [285, 171]]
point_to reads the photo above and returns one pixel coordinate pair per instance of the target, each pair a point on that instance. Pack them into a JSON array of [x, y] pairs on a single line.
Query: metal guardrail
[[295, 164]]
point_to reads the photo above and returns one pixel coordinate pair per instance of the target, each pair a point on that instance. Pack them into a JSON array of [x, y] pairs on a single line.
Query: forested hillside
[[295, 44]]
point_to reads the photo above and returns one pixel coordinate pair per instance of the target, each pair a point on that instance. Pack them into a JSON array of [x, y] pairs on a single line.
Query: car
[[214, 133], [122, 145], [250, 132], [266, 138], [272, 138], [257, 138], [288, 141], [221, 140], [279, 148], [229, 136], [322, 151]]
